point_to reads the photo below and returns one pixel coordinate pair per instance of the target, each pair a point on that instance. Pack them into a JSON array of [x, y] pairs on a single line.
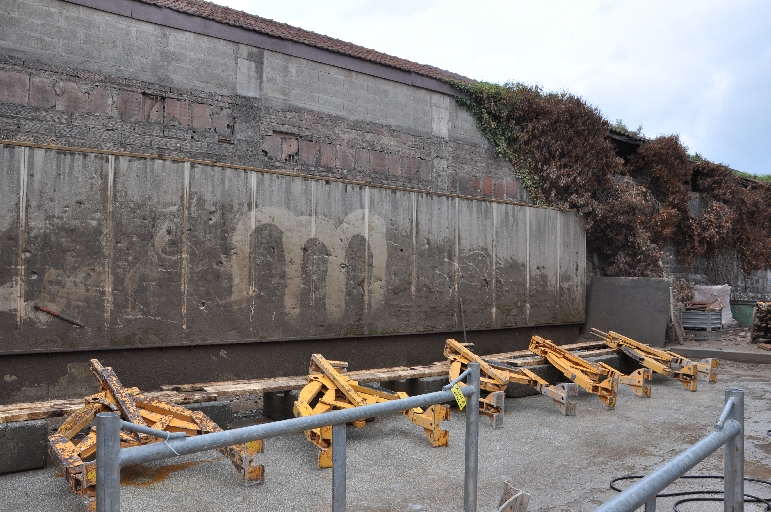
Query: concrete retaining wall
[[148, 252]]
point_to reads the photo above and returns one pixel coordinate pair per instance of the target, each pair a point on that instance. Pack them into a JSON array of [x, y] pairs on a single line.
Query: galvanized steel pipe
[[645, 490]]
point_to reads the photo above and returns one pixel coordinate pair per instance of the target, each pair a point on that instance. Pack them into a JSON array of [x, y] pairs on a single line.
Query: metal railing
[[729, 431], [110, 457]]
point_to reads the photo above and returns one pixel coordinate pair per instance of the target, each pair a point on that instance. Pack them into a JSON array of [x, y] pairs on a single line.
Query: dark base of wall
[[33, 377]]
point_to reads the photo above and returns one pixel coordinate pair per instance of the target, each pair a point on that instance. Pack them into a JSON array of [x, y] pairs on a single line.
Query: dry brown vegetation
[[560, 147]]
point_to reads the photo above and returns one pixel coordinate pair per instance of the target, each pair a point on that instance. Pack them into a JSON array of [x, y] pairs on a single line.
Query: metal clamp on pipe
[[726, 411], [457, 379], [141, 429]]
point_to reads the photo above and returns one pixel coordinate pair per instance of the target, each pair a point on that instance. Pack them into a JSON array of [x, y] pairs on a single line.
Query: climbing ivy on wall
[[559, 147]]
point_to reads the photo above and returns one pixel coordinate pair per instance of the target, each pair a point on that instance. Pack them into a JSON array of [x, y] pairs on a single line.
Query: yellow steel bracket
[[329, 389], [77, 458], [660, 361], [582, 372]]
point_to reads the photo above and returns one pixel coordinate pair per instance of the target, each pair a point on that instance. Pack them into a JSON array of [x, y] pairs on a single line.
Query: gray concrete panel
[[11, 179], [147, 257], [150, 252], [511, 262], [543, 258]]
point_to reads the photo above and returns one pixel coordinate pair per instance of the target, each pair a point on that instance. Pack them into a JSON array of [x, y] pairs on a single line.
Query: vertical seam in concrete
[[185, 241], [414, 283], [495, 267], [527, 266], [22, 233], [366, 250], [313, 245], [252, 242], [109, 243], [456, 266], [559, 254]]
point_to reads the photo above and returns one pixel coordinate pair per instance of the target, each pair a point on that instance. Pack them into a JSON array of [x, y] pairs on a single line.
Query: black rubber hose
[[748, 498]]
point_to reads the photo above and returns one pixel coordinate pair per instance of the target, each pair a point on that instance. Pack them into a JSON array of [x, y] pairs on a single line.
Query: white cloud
[[698, 68]]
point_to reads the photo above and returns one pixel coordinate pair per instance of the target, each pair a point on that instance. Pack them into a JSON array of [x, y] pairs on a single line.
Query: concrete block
[[14, 88], [429, 384], [41, 93], [248, 78], [220, 412], [23, 445], [279, 405], [637, 307], [404, 385], [222, 120]]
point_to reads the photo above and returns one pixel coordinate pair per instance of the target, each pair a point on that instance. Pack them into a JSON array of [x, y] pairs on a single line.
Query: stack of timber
[[761, 322]]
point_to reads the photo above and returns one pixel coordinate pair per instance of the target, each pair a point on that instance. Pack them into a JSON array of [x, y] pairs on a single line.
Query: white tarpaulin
[[712, 293]]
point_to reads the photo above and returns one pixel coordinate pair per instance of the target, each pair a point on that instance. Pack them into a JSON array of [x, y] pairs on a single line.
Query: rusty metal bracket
[[77, 456], [330, 389], [589, 376], [495, 377], [660, 361]]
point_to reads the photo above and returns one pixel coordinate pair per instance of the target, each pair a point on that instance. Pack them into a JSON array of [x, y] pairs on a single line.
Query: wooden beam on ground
[[57, 408]]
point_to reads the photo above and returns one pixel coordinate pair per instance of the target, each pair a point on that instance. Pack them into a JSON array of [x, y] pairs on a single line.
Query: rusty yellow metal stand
[[661, 361], [591, 377], [329, 388], [496, 376], [76, 458]]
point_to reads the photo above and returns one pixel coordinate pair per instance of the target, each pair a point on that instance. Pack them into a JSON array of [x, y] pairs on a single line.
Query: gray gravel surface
[[565, 463]]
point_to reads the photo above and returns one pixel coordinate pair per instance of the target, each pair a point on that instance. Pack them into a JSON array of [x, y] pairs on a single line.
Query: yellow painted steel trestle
[[496, 376], [329, 388], [597, 378], [661, 361], [77, 457]]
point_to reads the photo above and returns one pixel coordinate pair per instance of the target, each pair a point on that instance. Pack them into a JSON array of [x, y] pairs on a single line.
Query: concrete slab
[[724, 355], [23, 445], [564, 463], [220, 413], [637, 307]]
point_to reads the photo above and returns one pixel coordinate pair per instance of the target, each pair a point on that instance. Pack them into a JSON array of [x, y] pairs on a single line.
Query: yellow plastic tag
[[458, 394]]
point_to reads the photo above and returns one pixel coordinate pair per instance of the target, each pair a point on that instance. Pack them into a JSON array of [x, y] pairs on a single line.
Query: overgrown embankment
[[560, 148]]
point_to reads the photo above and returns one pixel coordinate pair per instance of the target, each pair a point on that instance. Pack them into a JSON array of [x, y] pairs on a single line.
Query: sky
[[700, 69]]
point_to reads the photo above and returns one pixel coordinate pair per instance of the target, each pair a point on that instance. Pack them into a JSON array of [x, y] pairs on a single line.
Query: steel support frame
[[110, 457], [728, 432]]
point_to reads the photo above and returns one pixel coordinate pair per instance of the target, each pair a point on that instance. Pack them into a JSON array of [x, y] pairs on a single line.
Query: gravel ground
[[565, 463]]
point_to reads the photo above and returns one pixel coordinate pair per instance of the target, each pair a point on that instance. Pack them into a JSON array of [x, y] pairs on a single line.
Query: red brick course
[[309, 152], [272, 146], [201, 116], [129, 105], [72, 99], [499, 188], [425, 170], [41, 93], [222, 120], [289, 148], [152, 108], [512, 189], [394, 168], [379, 162], [362, 159], [344, 158], [328, 155], [99, 101], [177, 111], [14, 88], [487, 185], [410, 167]]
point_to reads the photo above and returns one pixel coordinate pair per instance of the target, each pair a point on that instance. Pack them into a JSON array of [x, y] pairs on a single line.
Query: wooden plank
[[58, 408]]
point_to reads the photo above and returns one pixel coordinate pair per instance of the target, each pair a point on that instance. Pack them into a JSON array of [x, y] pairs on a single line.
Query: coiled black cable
[[748, 498]]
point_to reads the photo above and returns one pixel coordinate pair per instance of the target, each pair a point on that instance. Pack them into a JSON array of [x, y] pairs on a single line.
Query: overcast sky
[[701, 69]]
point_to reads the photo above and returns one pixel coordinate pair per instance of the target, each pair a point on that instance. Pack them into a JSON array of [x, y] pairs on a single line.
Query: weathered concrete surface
[[637, 307], [149, 252], [564, 463], [32, 377], [23, 445]]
